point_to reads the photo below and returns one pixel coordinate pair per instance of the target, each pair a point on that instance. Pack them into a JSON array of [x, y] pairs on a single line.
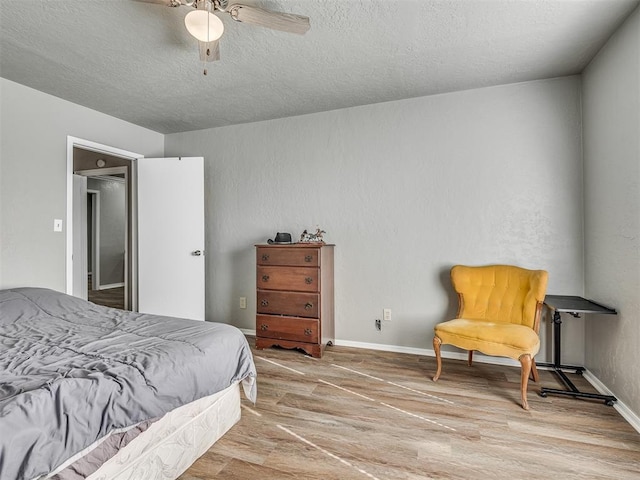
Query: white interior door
[[170, 199], [79, 258]]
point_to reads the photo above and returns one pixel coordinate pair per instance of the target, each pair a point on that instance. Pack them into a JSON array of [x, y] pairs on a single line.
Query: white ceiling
[[135, 61]]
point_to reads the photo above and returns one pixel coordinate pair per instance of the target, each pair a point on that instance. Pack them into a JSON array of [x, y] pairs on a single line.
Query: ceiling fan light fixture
[[204, 25]]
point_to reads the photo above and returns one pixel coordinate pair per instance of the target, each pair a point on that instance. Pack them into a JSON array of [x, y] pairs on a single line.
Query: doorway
[[106, 236], [103, 212]]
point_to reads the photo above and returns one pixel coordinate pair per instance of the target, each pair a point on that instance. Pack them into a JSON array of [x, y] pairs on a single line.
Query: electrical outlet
[[243, 302], [386, 314]]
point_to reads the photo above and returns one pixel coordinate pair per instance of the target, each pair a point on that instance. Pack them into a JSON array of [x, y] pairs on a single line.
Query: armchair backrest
[[500, 293]]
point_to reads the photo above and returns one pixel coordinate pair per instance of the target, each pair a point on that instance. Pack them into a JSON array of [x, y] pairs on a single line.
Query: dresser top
[[295, 245]]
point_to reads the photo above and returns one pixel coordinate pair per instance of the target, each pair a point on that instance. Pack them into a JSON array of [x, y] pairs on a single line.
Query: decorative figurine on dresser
[[295, 307]]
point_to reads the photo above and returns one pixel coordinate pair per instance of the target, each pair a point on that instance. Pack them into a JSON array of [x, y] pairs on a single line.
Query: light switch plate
[[57, 225], [386, 314]]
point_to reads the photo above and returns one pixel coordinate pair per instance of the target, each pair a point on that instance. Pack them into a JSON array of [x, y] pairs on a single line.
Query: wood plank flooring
[[111, 297], [366, 414]]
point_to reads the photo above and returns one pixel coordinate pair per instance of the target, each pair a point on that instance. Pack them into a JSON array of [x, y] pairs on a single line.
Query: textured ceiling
[[135, 61]]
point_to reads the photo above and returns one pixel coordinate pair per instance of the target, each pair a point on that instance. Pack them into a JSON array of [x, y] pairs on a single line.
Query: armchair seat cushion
[[491, 338]]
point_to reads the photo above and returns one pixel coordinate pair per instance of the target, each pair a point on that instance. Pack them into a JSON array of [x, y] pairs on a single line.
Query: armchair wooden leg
[[525, 361], [534, 371], [470, 358], [436, 348]]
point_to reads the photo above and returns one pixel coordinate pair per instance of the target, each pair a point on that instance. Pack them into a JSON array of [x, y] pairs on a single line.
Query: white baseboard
[[110, 285], [622, 409], [625, 411], [428, 352]]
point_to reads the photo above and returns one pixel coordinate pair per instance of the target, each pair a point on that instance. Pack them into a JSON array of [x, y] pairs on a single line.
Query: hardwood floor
[[359, 413], [111, 297]]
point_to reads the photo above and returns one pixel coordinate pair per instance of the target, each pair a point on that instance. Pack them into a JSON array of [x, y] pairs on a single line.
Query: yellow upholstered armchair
[[498, 314]]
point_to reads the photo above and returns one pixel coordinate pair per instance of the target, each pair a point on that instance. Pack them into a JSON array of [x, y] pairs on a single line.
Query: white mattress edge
[[171, 445]]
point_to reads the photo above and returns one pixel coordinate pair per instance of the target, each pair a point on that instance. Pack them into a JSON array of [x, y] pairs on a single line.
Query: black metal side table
[[573, 306]]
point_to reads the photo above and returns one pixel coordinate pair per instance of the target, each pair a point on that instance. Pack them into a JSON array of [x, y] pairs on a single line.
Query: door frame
[[79, 223], [94, 228], [106, 149]]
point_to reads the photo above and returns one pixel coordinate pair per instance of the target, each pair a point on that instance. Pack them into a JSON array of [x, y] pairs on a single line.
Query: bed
[[93, 392]]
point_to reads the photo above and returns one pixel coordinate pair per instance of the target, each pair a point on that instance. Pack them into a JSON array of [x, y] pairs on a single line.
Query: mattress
[[166, 447], [71, 372]]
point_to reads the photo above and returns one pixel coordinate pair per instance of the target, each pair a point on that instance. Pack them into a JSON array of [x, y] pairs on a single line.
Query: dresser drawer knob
[[308, 258], [308, 280], [265, 278], [265, 257], [264, 327], [308, 306], [308, 332], [264, 303]]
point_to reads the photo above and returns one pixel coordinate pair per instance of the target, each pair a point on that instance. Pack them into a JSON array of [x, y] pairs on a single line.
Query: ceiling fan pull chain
[[208, 52]]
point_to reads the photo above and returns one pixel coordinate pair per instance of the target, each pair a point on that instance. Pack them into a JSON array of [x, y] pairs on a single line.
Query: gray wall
[[33, 162], [113, 222], [405, 190], [612, 211]]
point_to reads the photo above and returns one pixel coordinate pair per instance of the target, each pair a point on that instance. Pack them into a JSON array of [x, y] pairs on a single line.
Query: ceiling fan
[[207, 28]]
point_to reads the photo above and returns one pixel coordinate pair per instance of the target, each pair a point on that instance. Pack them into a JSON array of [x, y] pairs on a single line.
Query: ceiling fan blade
[[166, 3], [285, 22], [209, 51]]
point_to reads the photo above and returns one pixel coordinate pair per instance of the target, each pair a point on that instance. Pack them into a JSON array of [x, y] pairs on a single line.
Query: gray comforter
[[71, 371]]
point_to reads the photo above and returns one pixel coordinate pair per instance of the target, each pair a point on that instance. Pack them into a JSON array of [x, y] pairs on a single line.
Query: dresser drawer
[[288, 303], [287, 328], [290, 256], [288, 278]]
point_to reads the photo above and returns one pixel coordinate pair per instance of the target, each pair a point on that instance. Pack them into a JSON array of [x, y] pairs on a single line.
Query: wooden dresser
[[295, 307]]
